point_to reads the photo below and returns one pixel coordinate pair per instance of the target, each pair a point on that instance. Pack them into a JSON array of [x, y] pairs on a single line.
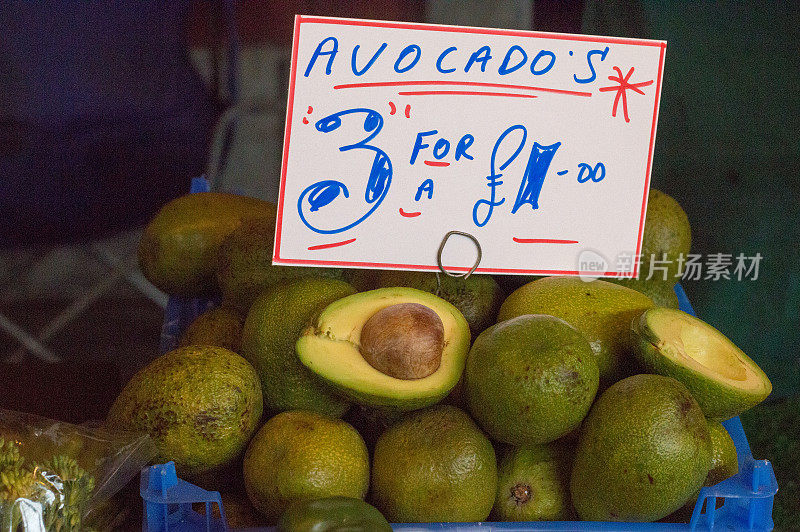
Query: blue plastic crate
[[742, 502]]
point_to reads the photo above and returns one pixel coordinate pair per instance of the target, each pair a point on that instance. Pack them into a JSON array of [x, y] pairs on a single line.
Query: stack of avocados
[[318, 399]]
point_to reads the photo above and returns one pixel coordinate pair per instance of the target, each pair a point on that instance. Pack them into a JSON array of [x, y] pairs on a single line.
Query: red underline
[[543, 241], [408, 214], [462, 83], [332, 244], [437, 163], [465, 93]]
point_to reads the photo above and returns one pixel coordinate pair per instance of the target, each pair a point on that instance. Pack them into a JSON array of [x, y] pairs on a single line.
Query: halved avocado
[[330, 348], [723, 380]]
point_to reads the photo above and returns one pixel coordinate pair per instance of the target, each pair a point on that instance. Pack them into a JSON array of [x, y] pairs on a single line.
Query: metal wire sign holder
[[464, 275]]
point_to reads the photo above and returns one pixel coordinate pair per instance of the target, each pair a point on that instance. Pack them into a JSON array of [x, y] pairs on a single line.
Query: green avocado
[[723, 379], [331, 347], [273, 325], [530, 380], [478, 297], [199, 404], [244, 264], [724, 464], [724, 460], [298, 455], [178, 249], [661, 292], [362, 279], [643, 452], [600, 310], [434, 465], [333, 514], [667, 236], [221, 326], [533, 484]]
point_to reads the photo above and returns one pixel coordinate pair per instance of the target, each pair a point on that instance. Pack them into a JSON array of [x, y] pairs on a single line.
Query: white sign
[[539, 145]]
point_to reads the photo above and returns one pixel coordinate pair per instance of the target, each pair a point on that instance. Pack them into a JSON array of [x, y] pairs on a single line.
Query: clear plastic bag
[[54, 474]]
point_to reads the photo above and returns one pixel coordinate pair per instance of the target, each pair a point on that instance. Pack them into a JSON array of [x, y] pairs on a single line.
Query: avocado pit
[[404, 341]]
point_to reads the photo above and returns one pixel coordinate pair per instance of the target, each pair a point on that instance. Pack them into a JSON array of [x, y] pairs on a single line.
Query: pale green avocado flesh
[[723, 379], [330, 349]]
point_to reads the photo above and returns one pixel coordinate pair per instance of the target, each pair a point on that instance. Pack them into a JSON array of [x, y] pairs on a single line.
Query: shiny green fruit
[[435, 465], [533, 484], [199, 404], [601, 311], [333, 514], [274, 323], [331, 347], [178, 249], [478, 297], [530, 379], [298, 456], [724, 459], [221, 327], [244, 268], [661, 292], [643, 452], [666, 240]]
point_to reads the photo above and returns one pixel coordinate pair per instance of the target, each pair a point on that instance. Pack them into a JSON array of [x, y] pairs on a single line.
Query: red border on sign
[[300, 19]]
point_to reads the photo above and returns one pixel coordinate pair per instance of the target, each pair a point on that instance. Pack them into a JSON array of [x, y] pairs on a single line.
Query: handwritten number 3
[[323, 193]]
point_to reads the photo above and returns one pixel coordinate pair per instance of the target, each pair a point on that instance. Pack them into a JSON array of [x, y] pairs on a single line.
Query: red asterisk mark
[[621, 89]]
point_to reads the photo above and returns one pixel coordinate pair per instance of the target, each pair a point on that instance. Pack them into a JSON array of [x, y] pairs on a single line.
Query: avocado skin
[[718, 401], [199, 404], [333, 514], [661, 292], [221, 327], [600, 310], [543, 473], [530, 380], [667, 235], [644, 450], [434, 465], [724, 461], [724, 464], [299, 455], [509, 283], [244, 267], [271, 329], [178, 249]]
